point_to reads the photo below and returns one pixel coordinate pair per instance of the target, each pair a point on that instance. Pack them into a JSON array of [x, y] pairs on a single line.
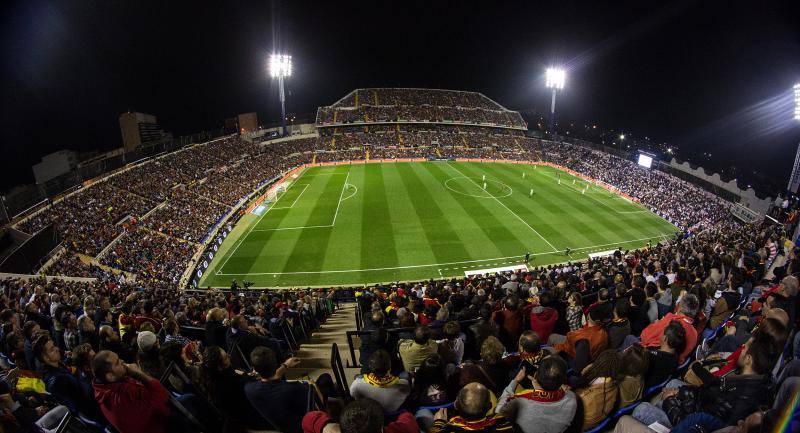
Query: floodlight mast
[[280, 67], [554, 79], [794, 179]]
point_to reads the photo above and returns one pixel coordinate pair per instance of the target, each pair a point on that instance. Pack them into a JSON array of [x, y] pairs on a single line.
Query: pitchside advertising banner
[[209, 253]]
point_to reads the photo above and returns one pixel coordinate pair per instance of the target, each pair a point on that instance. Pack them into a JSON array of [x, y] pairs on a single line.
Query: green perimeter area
[[384, 222]]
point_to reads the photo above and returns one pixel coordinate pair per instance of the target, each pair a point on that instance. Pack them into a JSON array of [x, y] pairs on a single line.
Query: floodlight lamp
[[622, 136], [280, 65], [555, 78], [797, 101]]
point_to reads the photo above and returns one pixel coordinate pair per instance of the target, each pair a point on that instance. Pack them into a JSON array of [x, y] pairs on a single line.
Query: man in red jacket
[[689, 305], [131, 401]]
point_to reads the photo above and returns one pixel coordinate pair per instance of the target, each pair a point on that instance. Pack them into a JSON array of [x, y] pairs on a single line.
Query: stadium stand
[[696, 333]]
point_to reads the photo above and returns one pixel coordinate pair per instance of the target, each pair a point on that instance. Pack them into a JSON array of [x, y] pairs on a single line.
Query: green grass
[[369, 223]]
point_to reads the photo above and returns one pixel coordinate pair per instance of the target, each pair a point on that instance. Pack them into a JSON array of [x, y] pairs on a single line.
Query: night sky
[[709, 77]]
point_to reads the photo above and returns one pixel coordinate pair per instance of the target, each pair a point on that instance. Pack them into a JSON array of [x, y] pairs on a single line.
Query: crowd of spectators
[[680, 202], [418, 105], [90, 218], [151, 255], [562, 348], [132, 358]]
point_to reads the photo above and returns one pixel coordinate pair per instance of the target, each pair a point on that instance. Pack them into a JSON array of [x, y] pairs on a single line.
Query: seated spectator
[[472, 404], [451, 348], [592, 332], [131, 400], [215, 329], [87, 332], [226, 388], [360, 416], [380, 385], [432, 385], [148, 357], [725, 402], [632, 370], [575, 317], [597, 388], [509, 322], [544, 406], [663, 361], [173, 333], [543, 318], [109, 340], [413, 352], [67, 388], [247, 338], [689, 305], [489, 370], [279, 401], [619, 327], [529, 357]]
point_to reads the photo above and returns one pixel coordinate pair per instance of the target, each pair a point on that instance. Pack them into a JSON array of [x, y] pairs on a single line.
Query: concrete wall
[[747, 196]]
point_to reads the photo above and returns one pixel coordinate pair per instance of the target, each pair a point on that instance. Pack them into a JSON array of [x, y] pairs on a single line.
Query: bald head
[[473, 401], [779, 314]]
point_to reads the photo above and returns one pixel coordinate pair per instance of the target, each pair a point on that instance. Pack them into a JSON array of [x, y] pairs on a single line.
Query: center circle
[[473, 187]]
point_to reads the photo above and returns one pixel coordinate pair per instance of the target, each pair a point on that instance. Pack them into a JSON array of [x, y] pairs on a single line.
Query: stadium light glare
[[280, 65], [555, 78], [797, 101]]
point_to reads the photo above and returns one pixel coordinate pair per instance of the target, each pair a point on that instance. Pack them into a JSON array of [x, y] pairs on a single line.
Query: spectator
[[543, 407], [380, 385], [651, 336], [663, 362], [543, 318], [63, 385], [598, 387], [619, 327], [591, 332], [472, 404], [281, 402], [725, 402], [633, 366], [366, 416], [414, 351], [131, 400]]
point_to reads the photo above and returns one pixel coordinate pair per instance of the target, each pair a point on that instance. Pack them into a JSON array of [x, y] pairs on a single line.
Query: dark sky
[[709, 76]]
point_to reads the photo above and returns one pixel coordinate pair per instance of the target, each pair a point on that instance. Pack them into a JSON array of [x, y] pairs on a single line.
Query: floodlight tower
[[794, 179], [554, 79], [280, 67]]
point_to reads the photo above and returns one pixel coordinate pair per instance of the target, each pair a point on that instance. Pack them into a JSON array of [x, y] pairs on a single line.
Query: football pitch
[[400, 221]]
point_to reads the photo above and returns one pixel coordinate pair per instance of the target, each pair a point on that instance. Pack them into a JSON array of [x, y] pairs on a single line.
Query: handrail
[[338, 373], [353, 363]]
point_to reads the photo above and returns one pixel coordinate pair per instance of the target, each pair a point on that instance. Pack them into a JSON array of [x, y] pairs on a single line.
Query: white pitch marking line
[[232, 253], [507, 208], [618, 243], [295, 200], [291, 228], [340, 197]]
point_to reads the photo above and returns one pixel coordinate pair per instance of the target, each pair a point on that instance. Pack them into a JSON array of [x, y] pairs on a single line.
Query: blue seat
[[441, 406], [600, 427], [655, 389]]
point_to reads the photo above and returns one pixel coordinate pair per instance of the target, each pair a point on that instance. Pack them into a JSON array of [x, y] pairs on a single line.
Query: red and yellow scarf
[[540, 395], [479, 424], [380, 381]]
